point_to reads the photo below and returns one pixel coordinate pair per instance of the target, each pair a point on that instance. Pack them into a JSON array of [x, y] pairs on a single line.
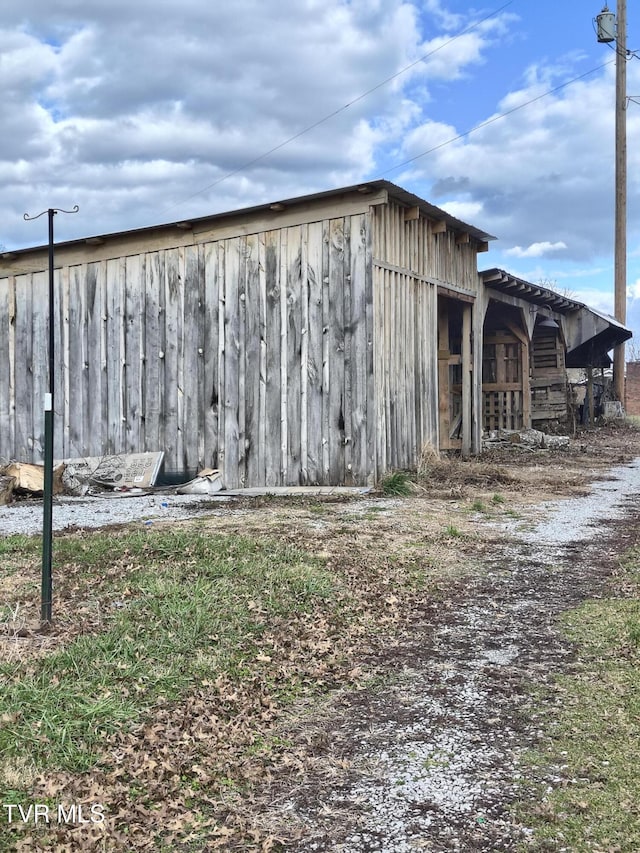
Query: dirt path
[[429, 758]]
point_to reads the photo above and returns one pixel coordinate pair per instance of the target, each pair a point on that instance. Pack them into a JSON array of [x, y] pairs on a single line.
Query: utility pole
[[47, 523], [608, 32]]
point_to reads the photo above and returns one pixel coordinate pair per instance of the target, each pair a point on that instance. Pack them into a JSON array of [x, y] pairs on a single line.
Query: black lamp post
[[47, 523]]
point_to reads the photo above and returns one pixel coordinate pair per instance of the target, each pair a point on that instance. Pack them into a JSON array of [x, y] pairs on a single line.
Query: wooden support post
[[466, 381], [443, 375]]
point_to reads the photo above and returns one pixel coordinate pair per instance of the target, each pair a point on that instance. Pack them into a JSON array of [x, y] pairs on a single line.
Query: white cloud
[[132, 109], [535, 250], [176, 96], [467, 211], [543, 170], [633, 290]]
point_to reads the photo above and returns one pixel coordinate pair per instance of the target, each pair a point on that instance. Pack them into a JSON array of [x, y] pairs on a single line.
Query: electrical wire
[[496, 118], [341, 109]]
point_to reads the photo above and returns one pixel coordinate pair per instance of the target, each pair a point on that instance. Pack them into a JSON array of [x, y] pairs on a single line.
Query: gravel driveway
[[430, 760]]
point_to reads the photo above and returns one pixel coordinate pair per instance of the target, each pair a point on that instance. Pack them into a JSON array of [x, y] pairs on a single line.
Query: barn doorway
[[506, 394], [454, 373]]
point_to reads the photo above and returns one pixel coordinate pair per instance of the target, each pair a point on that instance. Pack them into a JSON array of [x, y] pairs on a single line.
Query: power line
[[496, 118], [341, 109]]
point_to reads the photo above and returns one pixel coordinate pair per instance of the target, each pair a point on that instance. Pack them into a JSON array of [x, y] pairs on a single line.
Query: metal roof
[[395, 192], [506, 283]]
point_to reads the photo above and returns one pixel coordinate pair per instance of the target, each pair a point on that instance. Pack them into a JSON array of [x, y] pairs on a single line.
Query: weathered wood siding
[[251, 353], [549, 401], [412, 257]]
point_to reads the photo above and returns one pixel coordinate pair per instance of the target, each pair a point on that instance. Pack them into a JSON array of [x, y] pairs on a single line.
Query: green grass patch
[[595, 737], [397, 484], [19, 545], [196, 607]]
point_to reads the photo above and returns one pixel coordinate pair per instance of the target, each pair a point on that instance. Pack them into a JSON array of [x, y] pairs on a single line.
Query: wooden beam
[[463, 237], [466, 381], [411, 214], [443, 375], [438, 226], [483, 247], [518, 332]]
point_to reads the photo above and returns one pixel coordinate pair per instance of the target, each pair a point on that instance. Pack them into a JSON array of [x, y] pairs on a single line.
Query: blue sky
[[132, 110]]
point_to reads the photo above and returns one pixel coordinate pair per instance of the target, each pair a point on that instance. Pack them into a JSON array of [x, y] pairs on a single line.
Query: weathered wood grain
[[115, 358], [154, 346], [7, 287], [135, 312], [210, 389], [253, 472], [39, 368], [293, 320], [359, 352], [315, 338], [272, 383], [303, 353], [24, 369], [336, 343], [231, 363], [173, 296], [192, 357]]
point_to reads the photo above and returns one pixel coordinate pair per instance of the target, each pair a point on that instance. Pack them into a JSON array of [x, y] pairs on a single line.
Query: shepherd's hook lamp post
[[47, 522]]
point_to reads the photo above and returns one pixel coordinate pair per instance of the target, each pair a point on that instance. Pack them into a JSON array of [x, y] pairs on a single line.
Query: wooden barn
[[531, 335], [317, 340]]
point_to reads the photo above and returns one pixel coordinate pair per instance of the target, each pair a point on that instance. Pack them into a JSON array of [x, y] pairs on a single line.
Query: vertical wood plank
[[371, 423], [77, 390], [242, 319], [283, 273], [62, 397], [210, 385], [200, 393], [221, 355], [347, 324], [336, 352], [134, 308], [173, 297], [254, 473], [304, 355], [154, 346], [192, 356], [115, 355], [326, 354], [7, 285], [264, 334], [359, 355], [273, 460], [231, 362], [95, 355], [293, 320], [39, 369], [315, 338]]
